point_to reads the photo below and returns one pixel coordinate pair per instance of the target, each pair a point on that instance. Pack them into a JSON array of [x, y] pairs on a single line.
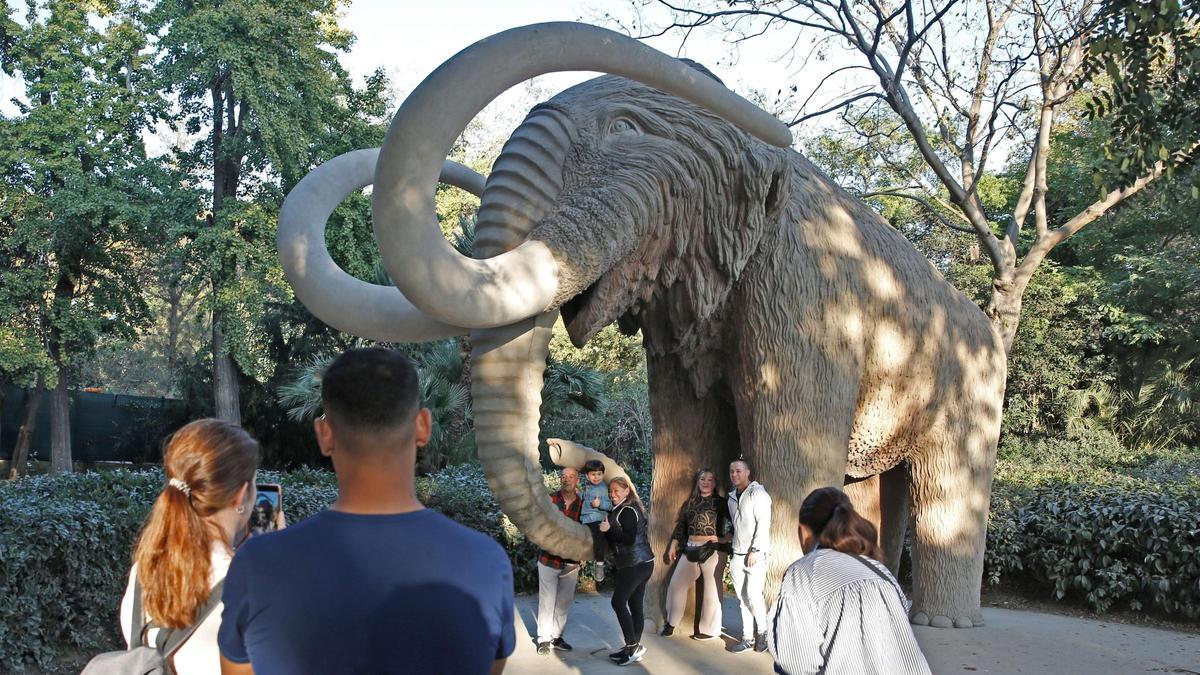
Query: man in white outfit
[[750, 513], [557, 577]]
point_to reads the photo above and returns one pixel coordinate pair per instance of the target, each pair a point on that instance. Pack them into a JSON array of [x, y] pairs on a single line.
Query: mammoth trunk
[[523, 183], [506, 392], [507, 363]]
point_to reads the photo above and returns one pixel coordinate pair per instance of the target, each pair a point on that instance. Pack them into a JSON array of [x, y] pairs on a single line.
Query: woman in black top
[[633, 560], [701, 524]]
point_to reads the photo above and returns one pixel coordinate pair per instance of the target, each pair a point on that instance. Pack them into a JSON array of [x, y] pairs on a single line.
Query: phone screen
[[266, 505]]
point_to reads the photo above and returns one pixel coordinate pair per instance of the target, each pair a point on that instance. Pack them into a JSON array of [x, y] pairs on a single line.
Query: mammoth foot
[[923, 618]]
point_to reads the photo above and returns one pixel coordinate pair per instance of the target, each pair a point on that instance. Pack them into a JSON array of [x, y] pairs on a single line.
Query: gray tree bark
[[20, 454], [227, 403], [60, 426], [1004, 309]]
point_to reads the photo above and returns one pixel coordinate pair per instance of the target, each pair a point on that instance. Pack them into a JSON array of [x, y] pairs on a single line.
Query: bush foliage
[[1106, 545], [1093, 521]]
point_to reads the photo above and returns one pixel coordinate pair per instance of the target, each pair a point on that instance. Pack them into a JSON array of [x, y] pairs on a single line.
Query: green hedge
[[1134, 546]]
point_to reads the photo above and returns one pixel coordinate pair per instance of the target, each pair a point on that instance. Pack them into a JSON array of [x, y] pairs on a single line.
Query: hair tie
[[178, 484]]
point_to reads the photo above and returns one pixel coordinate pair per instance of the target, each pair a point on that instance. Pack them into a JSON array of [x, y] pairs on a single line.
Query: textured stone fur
[[783, 319]]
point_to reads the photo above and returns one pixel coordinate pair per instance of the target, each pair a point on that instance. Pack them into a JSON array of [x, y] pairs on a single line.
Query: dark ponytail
[[833, 520]]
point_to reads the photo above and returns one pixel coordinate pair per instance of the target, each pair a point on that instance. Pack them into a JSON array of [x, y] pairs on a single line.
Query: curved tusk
[[333, 296], [523, 282], [571, 454]]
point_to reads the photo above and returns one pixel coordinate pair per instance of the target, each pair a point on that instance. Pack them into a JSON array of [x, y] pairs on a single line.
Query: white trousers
[[555, 595], [682, 581], [750, 585]]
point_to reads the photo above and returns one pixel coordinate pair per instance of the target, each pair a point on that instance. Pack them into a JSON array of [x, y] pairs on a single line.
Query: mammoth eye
[[621, 125]]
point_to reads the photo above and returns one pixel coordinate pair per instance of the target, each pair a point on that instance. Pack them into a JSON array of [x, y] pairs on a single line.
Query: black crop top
[[704, 517]]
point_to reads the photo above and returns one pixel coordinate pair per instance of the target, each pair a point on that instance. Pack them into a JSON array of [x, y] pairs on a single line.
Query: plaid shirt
[[571, 512]]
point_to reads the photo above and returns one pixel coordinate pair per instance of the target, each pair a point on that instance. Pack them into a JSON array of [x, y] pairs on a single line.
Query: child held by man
[[595, 508]]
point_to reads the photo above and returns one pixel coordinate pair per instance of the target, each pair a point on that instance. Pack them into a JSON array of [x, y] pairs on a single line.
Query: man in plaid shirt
[[557, 577]]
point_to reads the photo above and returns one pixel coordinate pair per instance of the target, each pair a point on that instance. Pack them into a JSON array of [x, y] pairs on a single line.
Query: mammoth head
[[640, 190], [654, 205], [515, 276]]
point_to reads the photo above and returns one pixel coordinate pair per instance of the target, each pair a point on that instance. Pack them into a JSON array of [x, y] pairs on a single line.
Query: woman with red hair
[[187, 542]]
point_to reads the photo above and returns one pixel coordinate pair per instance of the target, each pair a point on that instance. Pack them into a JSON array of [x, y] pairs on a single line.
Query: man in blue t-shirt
[[377, 583]]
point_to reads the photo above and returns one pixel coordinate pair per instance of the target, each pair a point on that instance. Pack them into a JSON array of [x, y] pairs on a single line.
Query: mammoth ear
[[771, 184], [765, 186], [779, 188]]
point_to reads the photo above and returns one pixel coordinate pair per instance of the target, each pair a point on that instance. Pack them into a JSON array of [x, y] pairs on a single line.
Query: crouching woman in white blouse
[[839, 609]]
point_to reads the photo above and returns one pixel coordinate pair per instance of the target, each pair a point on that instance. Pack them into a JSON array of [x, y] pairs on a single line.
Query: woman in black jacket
[[633, 563]]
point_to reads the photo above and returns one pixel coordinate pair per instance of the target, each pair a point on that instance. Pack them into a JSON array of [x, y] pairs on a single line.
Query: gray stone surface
[[1011, 642]]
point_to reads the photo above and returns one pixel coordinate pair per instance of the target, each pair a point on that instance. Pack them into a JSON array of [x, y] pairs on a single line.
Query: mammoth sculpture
[[782, 319]]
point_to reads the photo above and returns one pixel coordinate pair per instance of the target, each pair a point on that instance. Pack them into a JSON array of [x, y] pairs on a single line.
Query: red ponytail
[[206, 462]]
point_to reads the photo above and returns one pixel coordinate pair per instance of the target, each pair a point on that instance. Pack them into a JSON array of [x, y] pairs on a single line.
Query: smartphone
[[266, 505]]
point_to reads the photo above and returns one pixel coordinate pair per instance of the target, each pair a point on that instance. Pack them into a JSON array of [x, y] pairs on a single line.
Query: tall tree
[[70, 160], [261, 79], [973, 84]]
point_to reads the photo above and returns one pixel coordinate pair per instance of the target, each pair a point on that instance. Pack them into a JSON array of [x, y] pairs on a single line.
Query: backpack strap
[[138, 619], [169, 645]]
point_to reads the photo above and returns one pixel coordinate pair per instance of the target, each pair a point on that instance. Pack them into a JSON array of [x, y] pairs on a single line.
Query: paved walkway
[[1011, 642]]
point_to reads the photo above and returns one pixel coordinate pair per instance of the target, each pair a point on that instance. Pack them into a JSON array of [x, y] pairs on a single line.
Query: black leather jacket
[[628, 535]]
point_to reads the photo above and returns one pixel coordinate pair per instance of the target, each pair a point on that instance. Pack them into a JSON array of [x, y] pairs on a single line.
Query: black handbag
[[699, 554]]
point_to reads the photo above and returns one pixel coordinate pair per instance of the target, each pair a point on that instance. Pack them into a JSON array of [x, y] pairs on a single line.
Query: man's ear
[[324, 434], [422, 427]]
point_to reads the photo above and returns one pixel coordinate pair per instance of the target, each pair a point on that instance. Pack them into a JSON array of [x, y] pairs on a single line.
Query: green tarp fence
[[104, 427]]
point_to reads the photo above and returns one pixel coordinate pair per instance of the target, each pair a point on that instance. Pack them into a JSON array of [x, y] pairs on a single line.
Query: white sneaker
[[633, 657]]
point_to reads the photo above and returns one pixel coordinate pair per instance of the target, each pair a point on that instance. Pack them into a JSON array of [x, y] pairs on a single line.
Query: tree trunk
[[227, 403], [60, 405], [174, 322], [226, 174], [1004, 310], [20, 455], [60, 426]]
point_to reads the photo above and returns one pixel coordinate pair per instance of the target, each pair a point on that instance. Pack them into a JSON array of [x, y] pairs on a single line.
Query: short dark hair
[[371, 389], [593, 465]]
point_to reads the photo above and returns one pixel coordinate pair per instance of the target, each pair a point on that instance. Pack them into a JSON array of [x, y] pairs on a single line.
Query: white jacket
[[751, 518]]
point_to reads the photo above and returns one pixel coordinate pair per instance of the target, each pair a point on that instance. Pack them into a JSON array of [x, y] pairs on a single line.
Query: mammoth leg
[[895, 511], [884, 500], [795, 439], [689, 434], [951, 489]]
